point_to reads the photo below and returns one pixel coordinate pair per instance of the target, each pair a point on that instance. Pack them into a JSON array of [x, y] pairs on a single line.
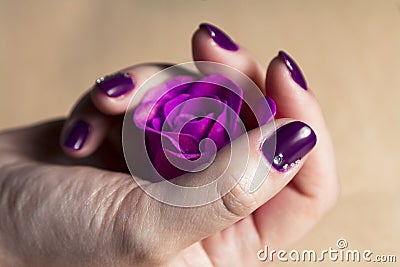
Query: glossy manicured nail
[[76, 135], [221, 38], [288, 145], [116, 84], [294, 69]]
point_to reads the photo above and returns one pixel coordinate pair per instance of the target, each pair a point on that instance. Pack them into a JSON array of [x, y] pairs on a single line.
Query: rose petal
[[153, 143], [178, 142], [157, 124], [153, 101], [154, 94], [265, 110], [174, 105], [145, 112], [199, 128], [226, 128], [187, 143], [175, 147], [179, 121], [163, 165], [202, 106], [219, 135], [221, 87]]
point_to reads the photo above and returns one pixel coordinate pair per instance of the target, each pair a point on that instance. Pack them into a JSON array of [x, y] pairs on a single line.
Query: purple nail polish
[[294, 69], [221, 38], [116, 84], [76, 135], [288, 145]]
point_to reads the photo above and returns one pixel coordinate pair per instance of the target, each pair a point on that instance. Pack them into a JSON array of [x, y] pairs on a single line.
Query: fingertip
[[116, 85], [288, 145], [83, 133], [74, 136], [212, 44], [125, 89], [294, 69], [219, 37], [284, 74], [111, 94]]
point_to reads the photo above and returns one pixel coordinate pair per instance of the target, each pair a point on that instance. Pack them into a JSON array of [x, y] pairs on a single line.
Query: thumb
[[244, 175]]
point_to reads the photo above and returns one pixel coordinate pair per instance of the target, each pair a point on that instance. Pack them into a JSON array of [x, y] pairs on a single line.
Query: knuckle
[[238, 202]]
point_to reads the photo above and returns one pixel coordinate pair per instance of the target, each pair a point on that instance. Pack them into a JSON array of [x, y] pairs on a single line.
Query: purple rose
[[187, 121]]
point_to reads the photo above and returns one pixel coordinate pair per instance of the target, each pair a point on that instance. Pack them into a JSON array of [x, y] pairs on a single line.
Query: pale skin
[[76, 208]]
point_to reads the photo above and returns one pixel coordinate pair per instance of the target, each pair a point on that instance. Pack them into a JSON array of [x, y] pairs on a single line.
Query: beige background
[[51, 51]]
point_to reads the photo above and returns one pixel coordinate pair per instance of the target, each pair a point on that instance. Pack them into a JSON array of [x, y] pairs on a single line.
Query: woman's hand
[[76, 206]]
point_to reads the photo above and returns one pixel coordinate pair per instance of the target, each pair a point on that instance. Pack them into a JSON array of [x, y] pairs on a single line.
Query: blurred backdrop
[[349, 50]]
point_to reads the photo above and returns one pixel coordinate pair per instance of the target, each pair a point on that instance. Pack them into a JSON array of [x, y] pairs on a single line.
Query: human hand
[[83, 210]]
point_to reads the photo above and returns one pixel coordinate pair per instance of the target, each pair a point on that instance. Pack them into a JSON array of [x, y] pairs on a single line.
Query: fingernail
[[288, 145], [76, 135], [116, 84], [221, 38], [294, 69]]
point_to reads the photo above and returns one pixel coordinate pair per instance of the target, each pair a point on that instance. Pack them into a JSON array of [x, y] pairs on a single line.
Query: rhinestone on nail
[[99, 80], [278, 159]]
